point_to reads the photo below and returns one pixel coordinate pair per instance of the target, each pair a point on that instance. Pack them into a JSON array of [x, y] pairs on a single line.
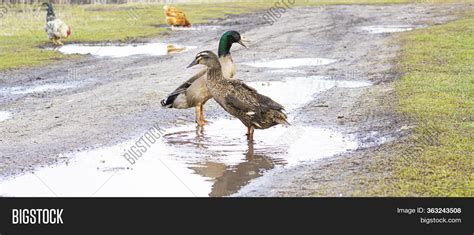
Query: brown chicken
[[175, 17]]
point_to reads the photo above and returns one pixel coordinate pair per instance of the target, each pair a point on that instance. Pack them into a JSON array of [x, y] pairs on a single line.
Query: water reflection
[[227, 175], [229, 179]]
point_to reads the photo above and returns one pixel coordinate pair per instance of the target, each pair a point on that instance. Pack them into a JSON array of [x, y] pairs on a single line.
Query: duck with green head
[[194, 93]]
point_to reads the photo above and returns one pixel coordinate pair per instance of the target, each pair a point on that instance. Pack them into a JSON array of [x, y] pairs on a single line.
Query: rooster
[[175, 17], [55, 27]]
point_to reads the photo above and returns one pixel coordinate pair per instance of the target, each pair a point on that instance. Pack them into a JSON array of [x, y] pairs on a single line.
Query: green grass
[[437, 90], [22, 35]]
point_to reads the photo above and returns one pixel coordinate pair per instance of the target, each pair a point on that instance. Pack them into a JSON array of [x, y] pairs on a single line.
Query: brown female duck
[[254, 110]]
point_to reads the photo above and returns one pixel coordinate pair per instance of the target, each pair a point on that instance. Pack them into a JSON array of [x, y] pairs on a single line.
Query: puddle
[[387, 28], [296, 91], [216, 160], [284, 71], [21, 90], [290, 63], [91, 173], [150, 49], [202, 27], [216, 163], [225, 141], [4, 115]]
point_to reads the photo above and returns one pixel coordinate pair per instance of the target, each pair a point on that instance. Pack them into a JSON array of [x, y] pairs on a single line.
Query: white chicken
[[55, 27]]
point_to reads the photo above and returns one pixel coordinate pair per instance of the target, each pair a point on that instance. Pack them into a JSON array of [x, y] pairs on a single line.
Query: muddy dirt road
[[78, 109]]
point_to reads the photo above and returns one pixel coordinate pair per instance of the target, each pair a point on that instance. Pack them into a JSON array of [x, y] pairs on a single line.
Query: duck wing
[[264, 102], [253, 108], [267, 101], [236, 103], [182, 88], [247, 100], [252, 111]]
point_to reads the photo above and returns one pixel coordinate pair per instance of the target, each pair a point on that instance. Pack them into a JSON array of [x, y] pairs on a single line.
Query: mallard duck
[[254, 110], [194, 93], [55, 27], [175, 17]]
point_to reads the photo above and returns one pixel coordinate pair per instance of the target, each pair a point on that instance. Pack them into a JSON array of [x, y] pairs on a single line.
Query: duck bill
[[192, 64], [242, 43], [242, 40]]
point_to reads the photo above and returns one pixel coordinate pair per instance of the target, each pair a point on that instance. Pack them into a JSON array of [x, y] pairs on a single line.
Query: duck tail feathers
[[168, 101]]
